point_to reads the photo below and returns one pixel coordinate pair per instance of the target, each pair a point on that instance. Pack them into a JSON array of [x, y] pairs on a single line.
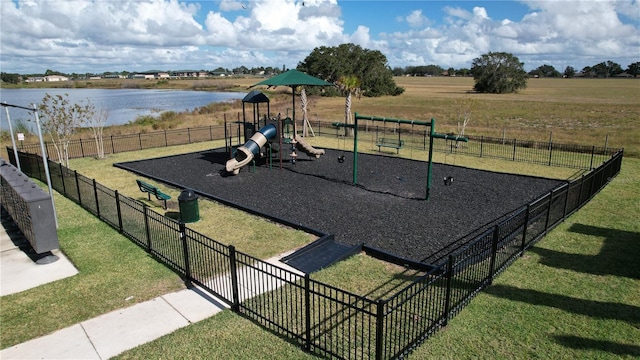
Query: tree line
[[604, 69]]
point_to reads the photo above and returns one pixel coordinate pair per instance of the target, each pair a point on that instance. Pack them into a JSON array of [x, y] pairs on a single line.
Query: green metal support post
[[355, 149], [430, 166]]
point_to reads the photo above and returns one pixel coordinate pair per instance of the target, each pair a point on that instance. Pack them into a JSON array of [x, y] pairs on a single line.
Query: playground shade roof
[[255, 97], [293, 78]]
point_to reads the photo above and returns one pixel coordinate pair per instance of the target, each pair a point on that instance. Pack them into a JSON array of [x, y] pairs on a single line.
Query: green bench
[[150, 189], [390, 143]]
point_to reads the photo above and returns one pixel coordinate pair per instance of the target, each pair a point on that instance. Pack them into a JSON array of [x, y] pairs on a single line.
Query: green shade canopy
[[293, 78]]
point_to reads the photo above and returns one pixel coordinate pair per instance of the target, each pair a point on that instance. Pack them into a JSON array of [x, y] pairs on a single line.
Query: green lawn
[[100, 287]]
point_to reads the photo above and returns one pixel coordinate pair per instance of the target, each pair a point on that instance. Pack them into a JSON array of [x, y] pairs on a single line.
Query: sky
[[95, 36]]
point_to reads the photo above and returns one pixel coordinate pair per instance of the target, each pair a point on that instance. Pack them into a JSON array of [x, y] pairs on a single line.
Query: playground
[[409, 209], [386, 210]]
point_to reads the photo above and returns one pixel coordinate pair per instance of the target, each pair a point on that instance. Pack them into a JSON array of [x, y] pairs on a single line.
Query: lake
[[123, 105]]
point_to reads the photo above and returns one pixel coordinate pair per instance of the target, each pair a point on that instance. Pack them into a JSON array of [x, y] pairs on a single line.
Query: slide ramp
[[302, 145]]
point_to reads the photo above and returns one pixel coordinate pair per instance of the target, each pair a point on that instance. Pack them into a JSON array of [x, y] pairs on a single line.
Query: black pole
[[524, 229], [379, 328], [185, 251], [145, 210], [235, 301], [307, 312], [120, 228], [78, 187], [95, 194], [494, 251]]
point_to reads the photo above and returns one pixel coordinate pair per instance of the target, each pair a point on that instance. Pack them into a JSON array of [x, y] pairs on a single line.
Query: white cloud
[[571, 32], [104, 35], [416, 20]]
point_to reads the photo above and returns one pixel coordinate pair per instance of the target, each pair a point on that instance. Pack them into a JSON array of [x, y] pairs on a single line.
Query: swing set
[[397, 143]]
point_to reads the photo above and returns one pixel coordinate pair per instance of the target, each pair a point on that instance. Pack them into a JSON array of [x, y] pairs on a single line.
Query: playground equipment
[[245, 154], [267, 135], [272, 128], [397, 144]]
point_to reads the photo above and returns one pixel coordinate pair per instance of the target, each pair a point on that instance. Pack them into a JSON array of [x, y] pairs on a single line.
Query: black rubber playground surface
[[384, 211]]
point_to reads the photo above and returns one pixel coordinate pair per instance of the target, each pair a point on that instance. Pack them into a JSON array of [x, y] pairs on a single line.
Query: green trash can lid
[[187, 195]]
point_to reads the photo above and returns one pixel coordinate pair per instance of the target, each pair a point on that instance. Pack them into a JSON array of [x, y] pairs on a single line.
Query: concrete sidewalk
[[113, 333], [104, 336]]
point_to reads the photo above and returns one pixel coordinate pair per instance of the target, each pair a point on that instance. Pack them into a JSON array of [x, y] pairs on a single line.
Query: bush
[[145, 120]]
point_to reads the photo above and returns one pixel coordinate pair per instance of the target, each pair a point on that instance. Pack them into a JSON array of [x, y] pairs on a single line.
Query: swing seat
[[390, 143]]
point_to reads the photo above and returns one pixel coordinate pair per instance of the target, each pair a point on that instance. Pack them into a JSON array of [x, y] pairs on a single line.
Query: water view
[[123, 105]]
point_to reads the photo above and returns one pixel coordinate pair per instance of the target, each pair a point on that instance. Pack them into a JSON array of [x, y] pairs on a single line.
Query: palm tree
[[349, 85]]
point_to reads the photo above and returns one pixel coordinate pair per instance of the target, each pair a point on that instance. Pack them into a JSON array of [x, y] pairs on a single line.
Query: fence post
[[113, 148], [235, 302], [145, 211], [64, 186], [95, 194], [185, 252], [447, 298], [514, 149], [546, 220], [566, 202], [481, 144], [524, 229], [307, 313], [140, 140], [81, 149], [120, 228], [550, 152], [593, 150], [78, 187], [210, 133], [494, 252], [379, 328], [189, 135]]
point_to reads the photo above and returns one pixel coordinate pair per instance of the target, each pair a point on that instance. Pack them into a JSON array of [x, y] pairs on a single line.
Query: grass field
[[574, 295], [577, 111]]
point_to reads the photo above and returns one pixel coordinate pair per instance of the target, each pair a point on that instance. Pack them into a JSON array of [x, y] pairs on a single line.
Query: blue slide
[[246, 152]]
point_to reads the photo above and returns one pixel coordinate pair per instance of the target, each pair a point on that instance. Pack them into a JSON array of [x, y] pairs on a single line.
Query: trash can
[[188, 202]]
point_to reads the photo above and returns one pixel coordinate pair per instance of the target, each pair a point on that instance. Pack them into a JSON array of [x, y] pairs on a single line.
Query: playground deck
[[384, 211]]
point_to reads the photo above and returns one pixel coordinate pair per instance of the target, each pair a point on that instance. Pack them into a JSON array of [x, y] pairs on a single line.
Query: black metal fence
[[321, 318], [544, 153]]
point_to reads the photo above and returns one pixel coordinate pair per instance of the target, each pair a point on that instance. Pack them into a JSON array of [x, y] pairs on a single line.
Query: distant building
[[113, 76], [47, 78], [142, 76]]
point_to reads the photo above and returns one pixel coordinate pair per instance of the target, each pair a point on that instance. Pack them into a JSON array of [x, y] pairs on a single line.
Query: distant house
[[56, 78], [113, 76], [47, 78], [143, 76], [189, 74]]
